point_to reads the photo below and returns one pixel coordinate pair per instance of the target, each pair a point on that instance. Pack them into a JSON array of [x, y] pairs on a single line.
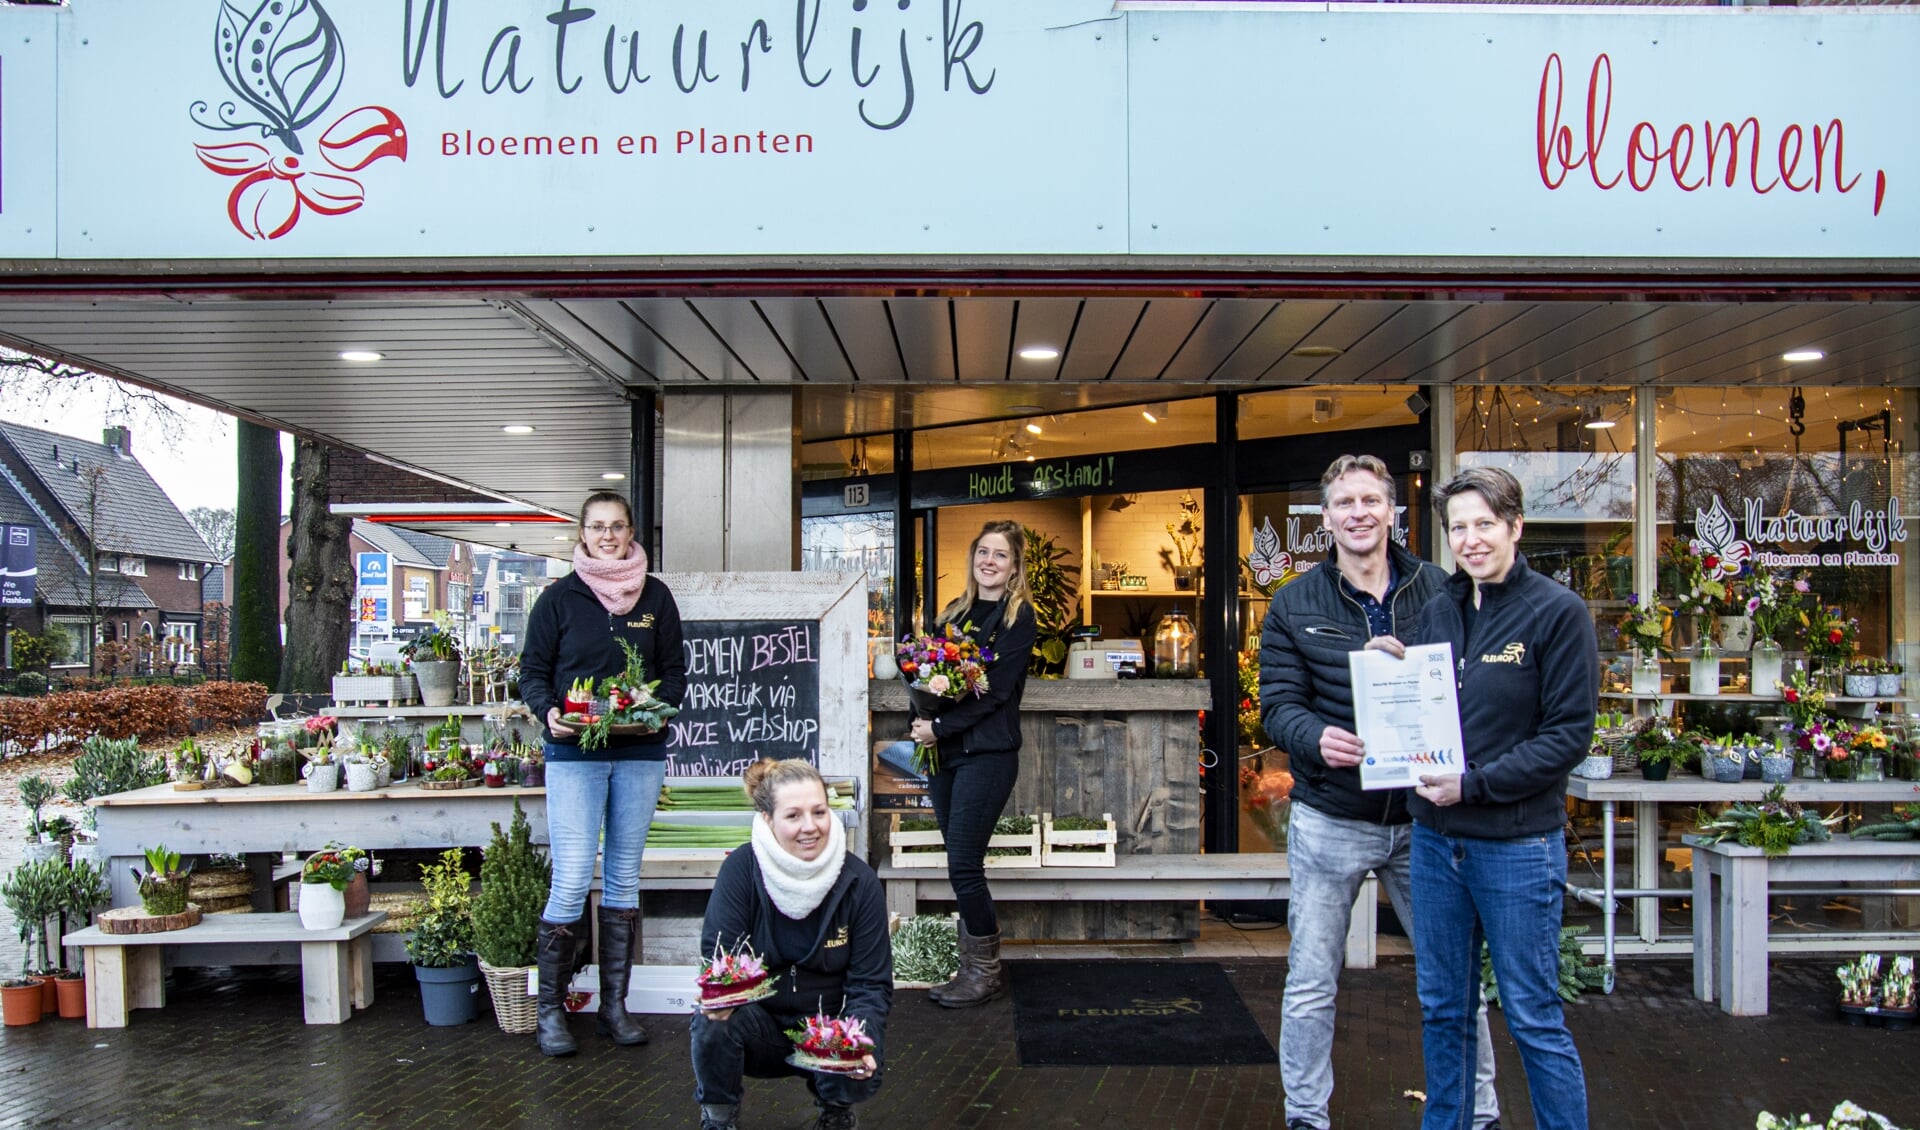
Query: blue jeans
[[581, 797], [1508, 892], [1329, 856]]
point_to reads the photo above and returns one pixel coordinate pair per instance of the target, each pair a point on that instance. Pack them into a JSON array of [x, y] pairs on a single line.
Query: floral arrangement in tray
[[1774, 825], [733, 977], [1644, 626], [1845, 1116], [947, 666], [632, 708], [830, 1044]]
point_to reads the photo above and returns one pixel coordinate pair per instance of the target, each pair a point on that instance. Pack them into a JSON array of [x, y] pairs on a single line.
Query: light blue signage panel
[[1397, 132], [295, 128], [28, 196]]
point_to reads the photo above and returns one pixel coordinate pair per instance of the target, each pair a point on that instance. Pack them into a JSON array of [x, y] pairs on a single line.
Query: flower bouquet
[[1846, 1116], [1645, 625], [334, 865], [940, 669], [733, 977], [630, 710], [832, 1045], [1773, 600], [1830, 634], [1805, 703]]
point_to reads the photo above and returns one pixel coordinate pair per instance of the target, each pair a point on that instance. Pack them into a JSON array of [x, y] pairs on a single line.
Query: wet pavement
[[230, 1050]]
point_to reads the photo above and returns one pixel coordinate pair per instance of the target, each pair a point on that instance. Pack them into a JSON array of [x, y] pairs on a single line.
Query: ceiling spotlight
[[1155, 413], [518, 429], [1803, 355], [1417, 403], [1033, 429], [503, 525], [360, 355], [1599, 423], [612, 476], [1039, 353]]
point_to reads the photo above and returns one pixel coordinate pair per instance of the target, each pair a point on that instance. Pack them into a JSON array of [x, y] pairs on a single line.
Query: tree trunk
[[256, 557], [320, 577]]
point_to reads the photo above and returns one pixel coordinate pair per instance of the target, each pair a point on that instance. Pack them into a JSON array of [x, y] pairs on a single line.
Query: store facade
[[826, 283]]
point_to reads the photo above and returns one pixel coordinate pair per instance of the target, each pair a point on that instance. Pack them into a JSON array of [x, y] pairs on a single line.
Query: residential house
[[429, 574], [111, 548]]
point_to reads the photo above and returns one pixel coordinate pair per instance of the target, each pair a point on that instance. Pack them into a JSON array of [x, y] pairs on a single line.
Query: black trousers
[[751, 1042], [968, 795]]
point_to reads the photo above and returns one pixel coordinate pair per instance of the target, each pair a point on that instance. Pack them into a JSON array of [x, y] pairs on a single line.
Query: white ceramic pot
[[884, 665], [1890, 685], [1733, 633], [323, 778], [1862, 686], [361, 777], [322, 907]]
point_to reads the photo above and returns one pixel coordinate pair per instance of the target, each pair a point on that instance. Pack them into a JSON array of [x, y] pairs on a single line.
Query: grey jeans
[[1328, 857]]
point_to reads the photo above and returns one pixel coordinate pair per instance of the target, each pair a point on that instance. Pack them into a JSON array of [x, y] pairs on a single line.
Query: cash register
[[1090, 657]]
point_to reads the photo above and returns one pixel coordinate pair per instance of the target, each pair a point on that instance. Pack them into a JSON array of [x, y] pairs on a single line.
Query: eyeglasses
[[598, 529]]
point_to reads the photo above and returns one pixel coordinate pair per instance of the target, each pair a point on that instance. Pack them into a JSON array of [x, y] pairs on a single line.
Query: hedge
[[59, 722]]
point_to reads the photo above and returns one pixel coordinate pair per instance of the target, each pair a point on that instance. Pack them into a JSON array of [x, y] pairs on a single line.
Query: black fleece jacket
[[991, 722], [1305, 685], [571, 635], [849, 969], [1529, 679]]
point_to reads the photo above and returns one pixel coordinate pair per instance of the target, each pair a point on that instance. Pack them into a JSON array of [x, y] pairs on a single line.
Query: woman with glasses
[[575, 632]]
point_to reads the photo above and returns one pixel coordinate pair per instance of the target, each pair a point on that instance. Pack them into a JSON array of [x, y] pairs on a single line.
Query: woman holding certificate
[[1489, 860]]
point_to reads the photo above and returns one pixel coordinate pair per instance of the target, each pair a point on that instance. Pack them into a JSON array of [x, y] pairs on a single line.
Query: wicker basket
[[1619, 742], [517, 1011]]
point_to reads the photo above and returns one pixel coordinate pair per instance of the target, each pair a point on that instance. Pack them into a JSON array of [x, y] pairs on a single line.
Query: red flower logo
[[273, 191]]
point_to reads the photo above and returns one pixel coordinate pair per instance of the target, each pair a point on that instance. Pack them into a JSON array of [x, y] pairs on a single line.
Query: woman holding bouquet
[[817, 918], [978, 738], [574, 634]]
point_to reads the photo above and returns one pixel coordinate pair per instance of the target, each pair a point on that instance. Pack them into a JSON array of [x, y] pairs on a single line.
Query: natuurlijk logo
[[285, 61]]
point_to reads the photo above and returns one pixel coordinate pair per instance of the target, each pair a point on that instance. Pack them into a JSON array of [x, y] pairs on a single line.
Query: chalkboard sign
[[753, 691]]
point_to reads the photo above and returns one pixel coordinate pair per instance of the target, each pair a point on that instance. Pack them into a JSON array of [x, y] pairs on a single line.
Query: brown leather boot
[[981, 979]]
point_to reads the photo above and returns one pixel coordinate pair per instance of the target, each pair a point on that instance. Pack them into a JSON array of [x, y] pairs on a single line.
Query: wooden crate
[[1052, 840], [384, 690], [1029, 845]]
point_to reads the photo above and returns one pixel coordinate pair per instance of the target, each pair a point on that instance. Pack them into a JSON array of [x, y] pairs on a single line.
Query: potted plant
[[1659, 748], [107, 766], [1862, 680], [35, 792], [398, 751], [323, 772], [361, 776], [163, 889], [20, 1001], [1896, 994], [33, 894], [323, 885], [85, 890], [1892, 680], [442, 944], [533, 767], [1051, 586], [1184, 557], [506, 917], [434, 656], [1856, 988]]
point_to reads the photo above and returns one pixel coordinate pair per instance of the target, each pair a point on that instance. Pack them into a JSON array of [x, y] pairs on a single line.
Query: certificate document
[[1406, 713]]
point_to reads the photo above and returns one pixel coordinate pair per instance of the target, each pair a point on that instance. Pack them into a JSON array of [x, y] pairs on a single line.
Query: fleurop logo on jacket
[[284, 60]]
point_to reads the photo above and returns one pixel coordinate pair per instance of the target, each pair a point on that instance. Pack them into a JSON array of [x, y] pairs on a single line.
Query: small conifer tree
[[513, 891]]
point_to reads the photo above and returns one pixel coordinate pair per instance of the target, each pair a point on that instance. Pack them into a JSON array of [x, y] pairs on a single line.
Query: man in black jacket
[[1338, 832]]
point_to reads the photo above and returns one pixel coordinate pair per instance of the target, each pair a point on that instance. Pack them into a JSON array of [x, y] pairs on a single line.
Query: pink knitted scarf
[[616, 584]]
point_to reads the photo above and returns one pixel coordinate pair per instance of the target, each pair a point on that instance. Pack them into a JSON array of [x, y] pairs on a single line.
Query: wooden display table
[[336, 966], [1730, 907]]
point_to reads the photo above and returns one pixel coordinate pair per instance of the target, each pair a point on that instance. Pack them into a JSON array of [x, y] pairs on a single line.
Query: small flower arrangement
[[1846, 1116], [1897, 990], [829, 1043], [334, 865], [1698, 586], [1252, 731], [1774, 825], [1805, 703], [1645, 625], [732, 977], [1266, 797], [1773, 600], [1857, 978], [947, 666], [1830, 633]]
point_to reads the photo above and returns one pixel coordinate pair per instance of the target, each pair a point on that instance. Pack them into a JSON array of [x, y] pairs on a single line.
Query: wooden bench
[[1730, 888], [1214, 878], [124, 970]]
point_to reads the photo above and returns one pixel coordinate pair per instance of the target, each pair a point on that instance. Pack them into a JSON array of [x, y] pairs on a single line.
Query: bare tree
[[215, 524]]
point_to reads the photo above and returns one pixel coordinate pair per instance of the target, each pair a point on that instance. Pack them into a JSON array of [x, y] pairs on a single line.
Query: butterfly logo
[[1721, 553]]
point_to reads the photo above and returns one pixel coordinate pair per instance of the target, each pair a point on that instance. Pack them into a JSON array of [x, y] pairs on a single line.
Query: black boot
[[980, 978], [719, 1116], [834, 1116], [938, 993], [616, 968], [553, 950]]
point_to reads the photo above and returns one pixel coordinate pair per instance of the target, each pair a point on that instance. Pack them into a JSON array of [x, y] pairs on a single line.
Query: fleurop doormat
[[1132, 1014]]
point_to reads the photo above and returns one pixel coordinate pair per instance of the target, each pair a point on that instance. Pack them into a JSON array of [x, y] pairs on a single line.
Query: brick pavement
[[229, 1050]]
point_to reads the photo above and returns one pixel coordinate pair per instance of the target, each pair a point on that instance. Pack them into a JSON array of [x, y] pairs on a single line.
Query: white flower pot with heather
[[322, 907], [1891, 684]]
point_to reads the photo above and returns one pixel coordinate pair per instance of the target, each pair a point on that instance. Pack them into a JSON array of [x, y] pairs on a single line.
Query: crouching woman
[[817, 917]]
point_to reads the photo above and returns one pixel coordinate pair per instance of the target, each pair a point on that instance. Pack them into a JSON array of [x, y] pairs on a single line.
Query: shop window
[[1572, 450], [513, 598], [1038, 437], [109, 563], [862, 543]]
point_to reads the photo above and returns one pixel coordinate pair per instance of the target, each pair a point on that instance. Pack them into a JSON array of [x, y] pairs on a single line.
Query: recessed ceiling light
[[1034, 428], [518, 429], [612, 476], [1039, 353], [1803, 355], [503, 525], [561, 537], [1317, 351], [1154, 413], [360, 355]]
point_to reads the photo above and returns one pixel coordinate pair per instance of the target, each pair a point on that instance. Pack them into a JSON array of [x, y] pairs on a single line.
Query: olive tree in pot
[[33, 894], [442, 944], [86, 890], [506, 920], [42, 841], [111, 765]]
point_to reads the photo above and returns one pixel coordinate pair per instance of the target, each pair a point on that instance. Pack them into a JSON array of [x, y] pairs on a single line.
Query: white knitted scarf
[[798, 886]]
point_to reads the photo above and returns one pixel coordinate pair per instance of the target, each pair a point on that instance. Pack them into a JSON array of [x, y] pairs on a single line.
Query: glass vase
[[1870, 768], [1767, 664], [1646, 673], [1704, 668], [1842, 769]]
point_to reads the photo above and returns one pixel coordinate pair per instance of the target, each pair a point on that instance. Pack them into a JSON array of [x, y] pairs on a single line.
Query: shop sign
[[375, 569], [1166, 468], [1873, 532], [18, 572], [1271, 562]]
